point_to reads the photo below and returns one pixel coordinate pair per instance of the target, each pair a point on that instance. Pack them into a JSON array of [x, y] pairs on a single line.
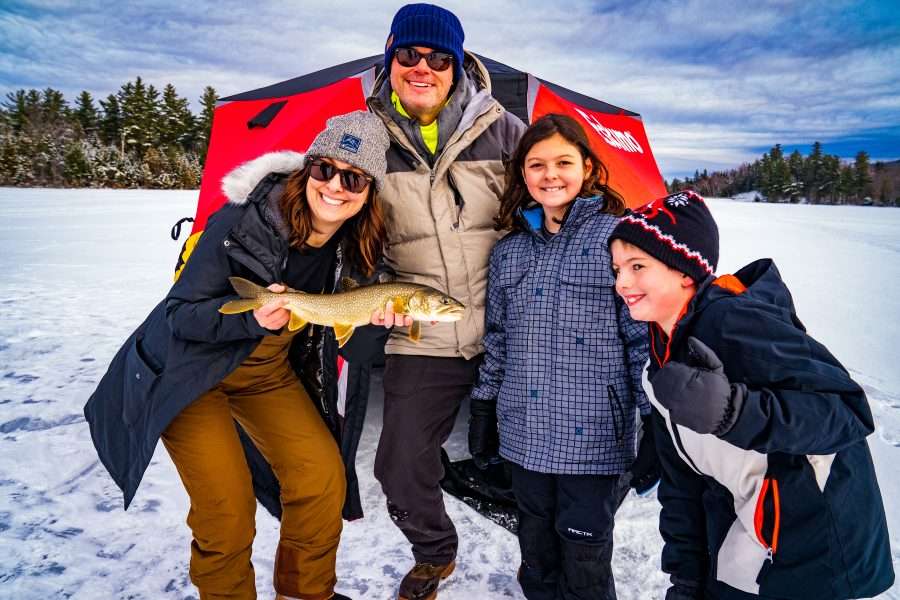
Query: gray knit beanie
[[358, 138]]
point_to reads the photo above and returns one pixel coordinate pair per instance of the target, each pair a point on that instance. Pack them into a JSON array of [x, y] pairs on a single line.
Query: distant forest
[[816, 178], [140, 137], [135, 138]]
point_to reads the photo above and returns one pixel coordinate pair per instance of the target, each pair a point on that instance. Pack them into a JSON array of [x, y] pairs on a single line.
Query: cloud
[[714, 81]]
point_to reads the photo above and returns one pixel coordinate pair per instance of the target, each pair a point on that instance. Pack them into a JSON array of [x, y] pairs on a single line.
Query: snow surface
[[81, 268], [751, 196]]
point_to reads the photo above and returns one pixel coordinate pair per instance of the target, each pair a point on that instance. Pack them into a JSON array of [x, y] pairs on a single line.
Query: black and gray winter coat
[[185, 346], [786, 503]]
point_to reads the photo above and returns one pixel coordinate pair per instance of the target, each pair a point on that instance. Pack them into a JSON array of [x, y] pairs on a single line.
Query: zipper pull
[[770, 555]]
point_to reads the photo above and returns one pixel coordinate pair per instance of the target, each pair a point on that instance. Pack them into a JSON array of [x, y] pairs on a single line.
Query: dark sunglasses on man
[[437, 61], [352, 181]]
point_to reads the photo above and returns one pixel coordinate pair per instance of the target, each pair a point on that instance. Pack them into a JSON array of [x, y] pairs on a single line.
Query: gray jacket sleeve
[[490, 374]]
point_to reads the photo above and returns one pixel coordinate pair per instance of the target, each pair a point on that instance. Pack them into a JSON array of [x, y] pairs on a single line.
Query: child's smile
[[652, 291], [554, 173]]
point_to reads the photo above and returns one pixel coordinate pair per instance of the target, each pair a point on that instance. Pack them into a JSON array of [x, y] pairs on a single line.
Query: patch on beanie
[[350, 143], [678, 200]]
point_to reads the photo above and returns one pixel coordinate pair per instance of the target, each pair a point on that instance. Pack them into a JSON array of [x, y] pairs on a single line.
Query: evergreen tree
[[862, 179], [139, 104], [780, 178], [830, 177], [813, 173], [846, 184], [796, 187], [54, 108], [208, 104], [765, 176], [176, 127], [111, 121], [16, 108], [86, 114]]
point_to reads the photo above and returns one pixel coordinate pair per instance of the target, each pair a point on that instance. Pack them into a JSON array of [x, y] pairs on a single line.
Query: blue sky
[[717, 83]]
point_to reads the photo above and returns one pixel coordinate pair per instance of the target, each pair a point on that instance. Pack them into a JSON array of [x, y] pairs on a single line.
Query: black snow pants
[[422, 395], [566, 534]]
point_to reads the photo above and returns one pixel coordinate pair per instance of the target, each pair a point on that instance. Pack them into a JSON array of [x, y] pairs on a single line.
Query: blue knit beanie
[[429, 26]]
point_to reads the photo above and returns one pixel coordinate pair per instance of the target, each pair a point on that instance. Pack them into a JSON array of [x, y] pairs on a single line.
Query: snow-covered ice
[[81, 268]]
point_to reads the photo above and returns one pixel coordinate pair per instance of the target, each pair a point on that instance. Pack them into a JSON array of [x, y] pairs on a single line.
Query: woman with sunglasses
[[189, 373]]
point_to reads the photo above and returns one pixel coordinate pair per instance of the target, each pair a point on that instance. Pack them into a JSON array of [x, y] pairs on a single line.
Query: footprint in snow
[[20, 378], [30, 424]]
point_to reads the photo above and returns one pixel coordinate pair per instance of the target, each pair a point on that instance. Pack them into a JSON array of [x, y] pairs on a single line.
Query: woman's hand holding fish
[[273, 315]]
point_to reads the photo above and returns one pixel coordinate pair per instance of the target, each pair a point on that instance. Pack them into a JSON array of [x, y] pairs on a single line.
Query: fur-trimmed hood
[[240, 181]]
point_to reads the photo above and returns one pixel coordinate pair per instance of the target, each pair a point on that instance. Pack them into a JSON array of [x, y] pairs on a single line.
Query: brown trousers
[[266, 398]]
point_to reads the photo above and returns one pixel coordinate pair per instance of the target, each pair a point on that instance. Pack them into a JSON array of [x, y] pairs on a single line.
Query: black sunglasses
[[352, 181], [437, 61]]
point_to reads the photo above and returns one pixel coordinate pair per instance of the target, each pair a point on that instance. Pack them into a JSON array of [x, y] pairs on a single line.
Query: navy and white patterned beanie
[[678, 230]]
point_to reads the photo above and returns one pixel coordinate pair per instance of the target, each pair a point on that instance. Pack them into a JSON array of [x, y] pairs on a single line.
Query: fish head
[[433, 305]]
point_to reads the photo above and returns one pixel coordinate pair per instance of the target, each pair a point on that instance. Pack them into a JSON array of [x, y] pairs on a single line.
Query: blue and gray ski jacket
[[563, 358]]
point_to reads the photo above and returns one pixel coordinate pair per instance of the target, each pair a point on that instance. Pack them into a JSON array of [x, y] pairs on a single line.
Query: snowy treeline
[[820, 178], [137, 137]]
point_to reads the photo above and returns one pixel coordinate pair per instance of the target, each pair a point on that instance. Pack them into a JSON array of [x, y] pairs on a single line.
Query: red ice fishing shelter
[[288, 115]]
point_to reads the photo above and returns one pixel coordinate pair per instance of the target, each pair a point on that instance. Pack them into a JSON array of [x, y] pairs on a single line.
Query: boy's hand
[[645, 470], [685, 591], [698, 395]]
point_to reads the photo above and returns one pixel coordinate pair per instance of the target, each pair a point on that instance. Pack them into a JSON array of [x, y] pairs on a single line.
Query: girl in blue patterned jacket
[[561, 376]]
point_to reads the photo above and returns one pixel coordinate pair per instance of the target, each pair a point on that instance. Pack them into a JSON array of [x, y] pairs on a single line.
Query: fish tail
[[246, 288], [234, 307]]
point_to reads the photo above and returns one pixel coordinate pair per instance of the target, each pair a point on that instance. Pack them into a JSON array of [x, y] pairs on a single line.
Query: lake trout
[[344, 311]]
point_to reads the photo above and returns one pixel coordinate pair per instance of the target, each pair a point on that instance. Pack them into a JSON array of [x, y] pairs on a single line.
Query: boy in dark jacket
[[768, 488]]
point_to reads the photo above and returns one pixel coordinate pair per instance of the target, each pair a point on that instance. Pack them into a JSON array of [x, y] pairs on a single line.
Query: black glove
[[698, 395], [684, 591], [484, 440], [645, 471]]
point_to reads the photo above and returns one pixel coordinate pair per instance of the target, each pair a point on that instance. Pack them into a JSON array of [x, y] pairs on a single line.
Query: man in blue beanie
[[445, 175]]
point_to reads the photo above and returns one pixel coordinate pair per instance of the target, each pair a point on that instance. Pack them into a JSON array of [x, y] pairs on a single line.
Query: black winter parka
[[185, 347], [786, 503]]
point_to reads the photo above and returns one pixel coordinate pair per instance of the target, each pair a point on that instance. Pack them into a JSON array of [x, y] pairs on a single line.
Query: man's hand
[[388, 318], [272, 315], [698, 395]]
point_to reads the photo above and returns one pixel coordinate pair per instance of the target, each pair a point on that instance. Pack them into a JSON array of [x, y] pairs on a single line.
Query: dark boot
[[587, 571], [540, 570], [422, 581]]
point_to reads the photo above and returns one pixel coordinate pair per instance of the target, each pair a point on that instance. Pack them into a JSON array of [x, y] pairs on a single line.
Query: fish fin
[[246, 288], [415, 331], [296, 322], [348, 283], [342, 331], [400, 305], [233, 307]]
